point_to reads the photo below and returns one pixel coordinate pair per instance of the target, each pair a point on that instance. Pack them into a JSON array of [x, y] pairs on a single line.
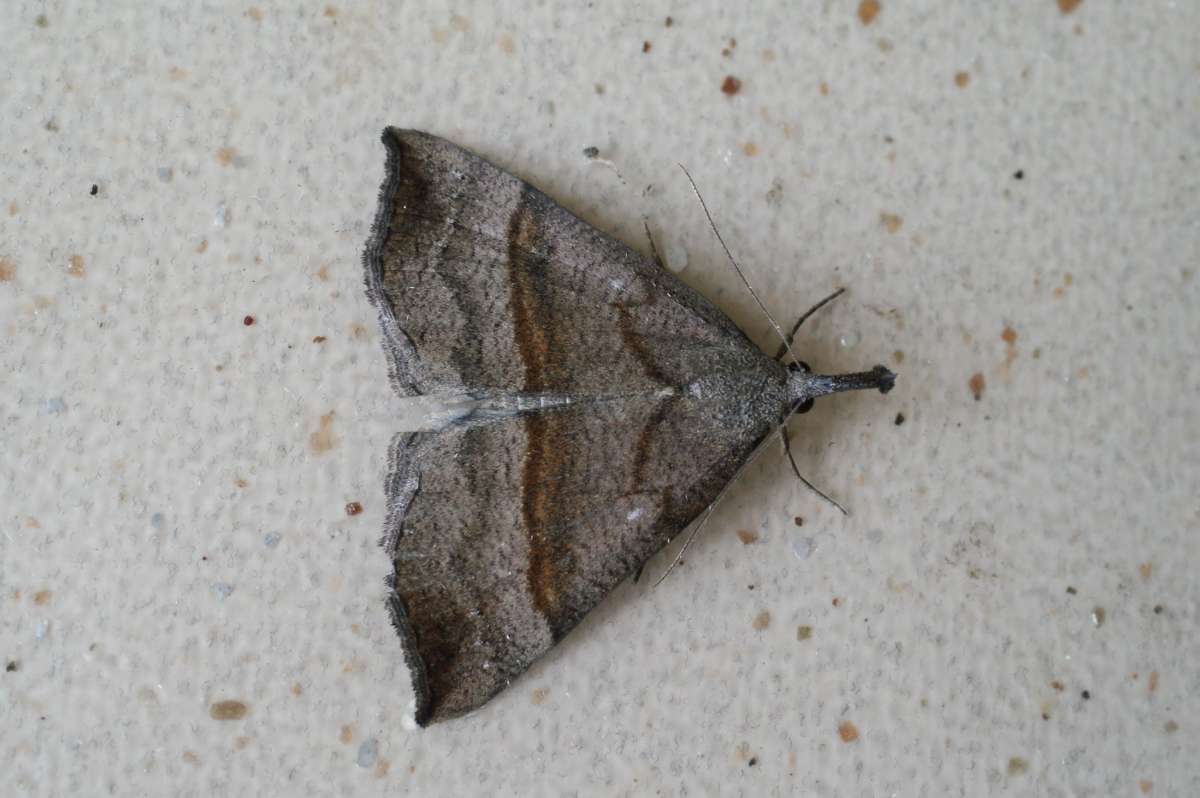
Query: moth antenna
[[778, 330], [792, 335], [708, 511], [787, 448]]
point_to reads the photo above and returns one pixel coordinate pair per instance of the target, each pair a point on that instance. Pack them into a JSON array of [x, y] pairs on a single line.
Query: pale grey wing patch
[[401, 483]]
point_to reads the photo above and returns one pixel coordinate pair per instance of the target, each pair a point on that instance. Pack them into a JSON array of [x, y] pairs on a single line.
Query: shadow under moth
[[605, 405]]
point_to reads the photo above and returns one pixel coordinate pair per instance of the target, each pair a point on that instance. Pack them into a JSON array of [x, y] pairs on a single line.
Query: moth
[[604, 405]]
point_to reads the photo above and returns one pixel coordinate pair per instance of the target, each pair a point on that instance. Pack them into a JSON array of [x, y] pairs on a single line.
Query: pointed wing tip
[[393, 136], [412, 658]]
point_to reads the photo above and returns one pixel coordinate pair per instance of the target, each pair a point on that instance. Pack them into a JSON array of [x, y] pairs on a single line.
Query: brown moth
[[604, 405]]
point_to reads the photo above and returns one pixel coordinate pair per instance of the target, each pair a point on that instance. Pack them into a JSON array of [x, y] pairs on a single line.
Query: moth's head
[[803, 403]]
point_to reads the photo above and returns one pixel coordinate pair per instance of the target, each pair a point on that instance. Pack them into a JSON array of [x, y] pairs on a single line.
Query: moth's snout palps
[[805, 386]]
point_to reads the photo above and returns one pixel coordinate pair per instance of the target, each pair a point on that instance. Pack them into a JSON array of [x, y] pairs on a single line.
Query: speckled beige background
[[1009, 190]]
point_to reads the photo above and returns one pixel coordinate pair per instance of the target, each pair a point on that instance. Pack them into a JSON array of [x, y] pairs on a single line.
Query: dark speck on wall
[[1070, 590], [1086, 694], [95, 189], [249, 320], [753, 761], [899, 419], [228, 710], [12, 667], [1019, 174], [591, 152], [731, 85], [353, 508]]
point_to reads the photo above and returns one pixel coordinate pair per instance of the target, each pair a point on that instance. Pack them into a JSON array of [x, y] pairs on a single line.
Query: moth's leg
[[783, 348], [787, 448], [638, 573], [653, 249]]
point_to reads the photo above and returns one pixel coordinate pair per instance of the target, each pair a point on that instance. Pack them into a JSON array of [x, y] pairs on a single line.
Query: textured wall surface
[[193, 392]]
